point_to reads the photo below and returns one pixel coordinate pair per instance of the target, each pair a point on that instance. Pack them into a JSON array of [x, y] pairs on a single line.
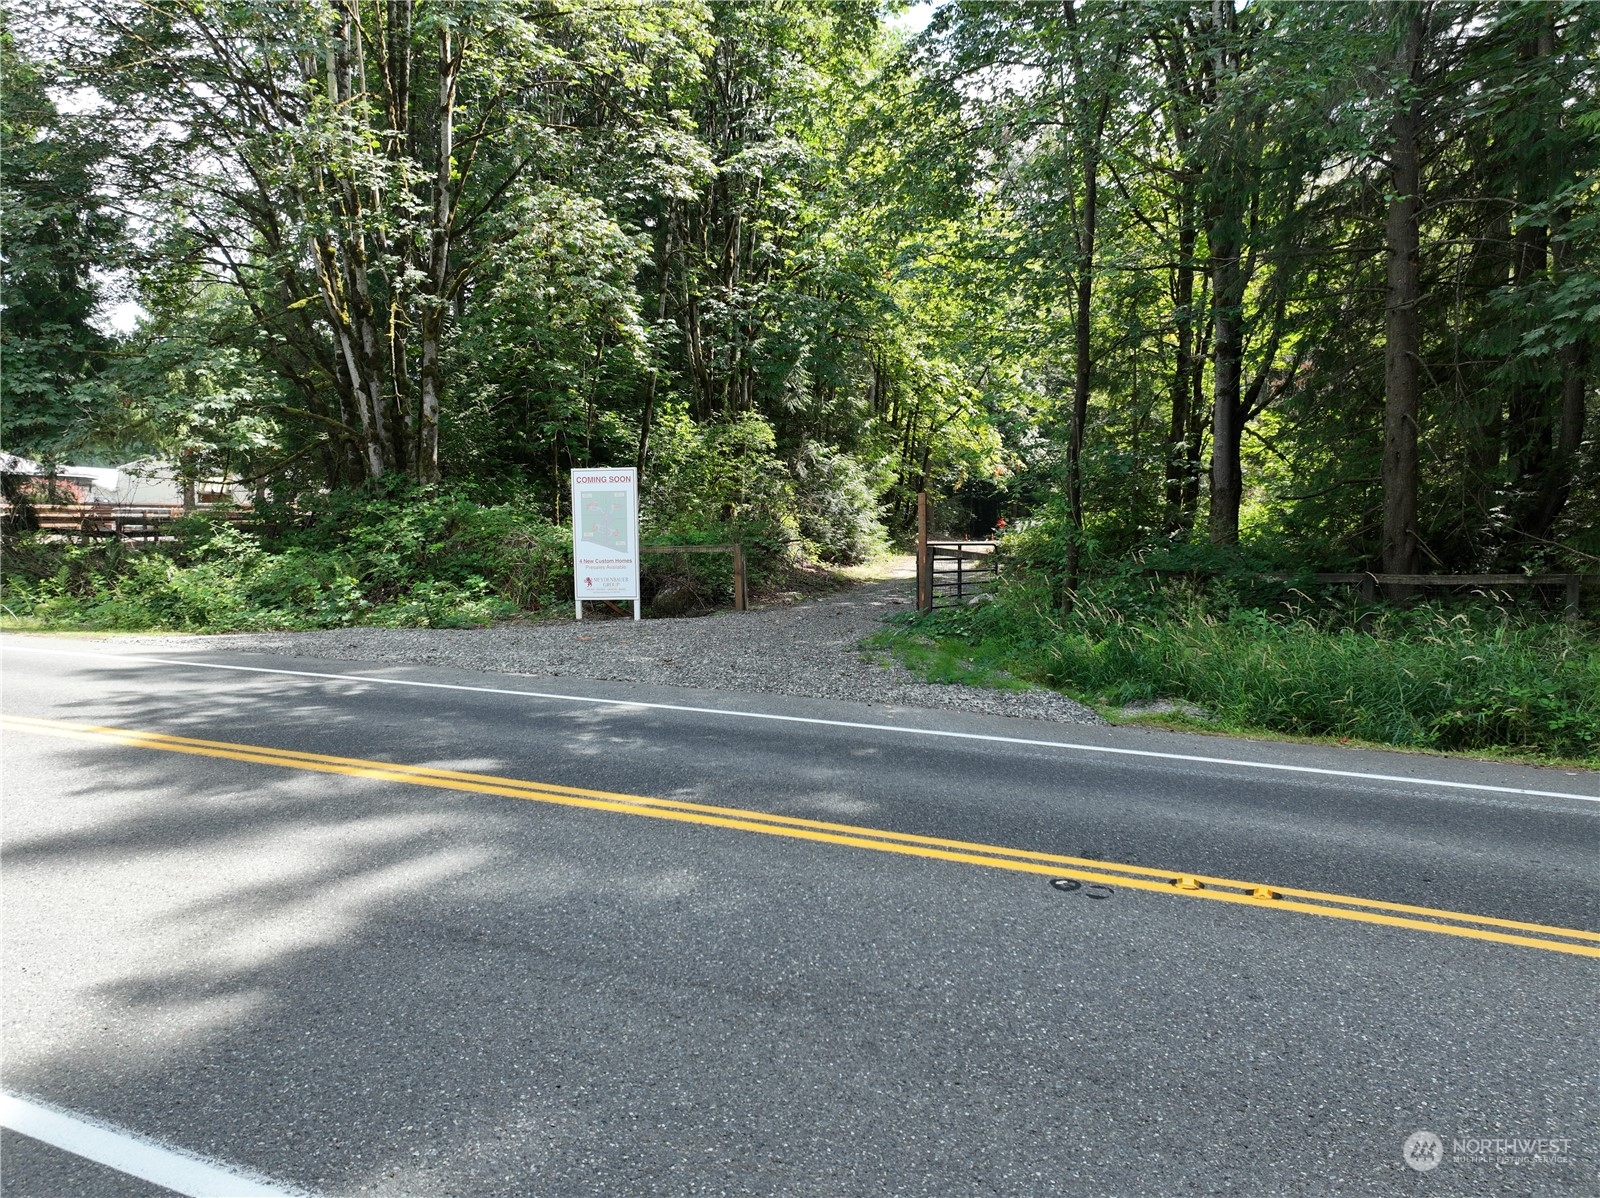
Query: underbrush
[[407, 557], [1430, 676], [421, 559], [725, 481]]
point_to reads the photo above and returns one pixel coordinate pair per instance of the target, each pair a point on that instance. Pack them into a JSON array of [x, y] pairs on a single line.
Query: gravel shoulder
[[808, 650]]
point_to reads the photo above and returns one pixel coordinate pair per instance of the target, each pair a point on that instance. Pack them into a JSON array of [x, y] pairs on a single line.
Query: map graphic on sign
[[603, 519]]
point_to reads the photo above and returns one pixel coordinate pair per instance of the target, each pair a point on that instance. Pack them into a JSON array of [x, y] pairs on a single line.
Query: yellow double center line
[[1134, 877]]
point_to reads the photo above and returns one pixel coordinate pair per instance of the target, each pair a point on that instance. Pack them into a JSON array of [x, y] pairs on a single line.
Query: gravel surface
[[808, 650]]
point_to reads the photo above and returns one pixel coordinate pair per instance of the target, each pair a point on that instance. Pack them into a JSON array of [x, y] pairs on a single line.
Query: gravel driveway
[[809, 650]]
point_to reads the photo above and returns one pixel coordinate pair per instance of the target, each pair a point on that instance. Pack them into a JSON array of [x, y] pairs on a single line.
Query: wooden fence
[[114, 521], [932, 582], [1571, 584], [740, 598], [956, 573]]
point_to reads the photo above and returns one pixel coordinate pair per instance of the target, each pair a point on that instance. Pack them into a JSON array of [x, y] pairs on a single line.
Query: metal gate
[[952, 573], [955, 573]]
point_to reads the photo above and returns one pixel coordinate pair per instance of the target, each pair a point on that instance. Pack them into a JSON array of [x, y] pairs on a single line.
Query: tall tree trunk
[[1177, 463], [1402, 328], [1225, 224], [354, 370], [367, 345], [1194, 444], [351, 451], [341, 275], [1537, 409], [1227, 412], [1185, 430], [1090, 124], [663, 265], [1082, 364], [436, 303]]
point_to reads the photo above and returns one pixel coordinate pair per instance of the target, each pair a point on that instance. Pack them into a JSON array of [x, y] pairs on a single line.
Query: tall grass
[[1431, 677]]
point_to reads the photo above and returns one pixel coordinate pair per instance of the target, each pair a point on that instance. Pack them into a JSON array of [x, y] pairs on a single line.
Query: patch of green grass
[[947, 661], [1178, 722], [1428, 678]]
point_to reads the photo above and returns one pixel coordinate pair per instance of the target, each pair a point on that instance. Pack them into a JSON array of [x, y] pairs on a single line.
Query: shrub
[[721, 474], [407, 557], [724, 481], [836, 505]]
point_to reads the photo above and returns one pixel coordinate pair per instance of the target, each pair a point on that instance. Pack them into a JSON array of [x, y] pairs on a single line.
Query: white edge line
[[134, 1154], [800, 719]]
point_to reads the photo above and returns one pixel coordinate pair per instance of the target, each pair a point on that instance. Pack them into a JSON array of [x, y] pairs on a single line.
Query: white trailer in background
[[153, 481]]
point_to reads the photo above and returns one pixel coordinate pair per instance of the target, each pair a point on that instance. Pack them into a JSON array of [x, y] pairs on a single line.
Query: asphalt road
[[360, 980]]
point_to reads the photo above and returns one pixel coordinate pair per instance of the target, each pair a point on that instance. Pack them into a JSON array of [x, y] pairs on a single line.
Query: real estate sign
[[605, 535]]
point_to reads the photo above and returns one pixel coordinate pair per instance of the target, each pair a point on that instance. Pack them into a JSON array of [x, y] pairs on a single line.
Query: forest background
[[1205, 289]]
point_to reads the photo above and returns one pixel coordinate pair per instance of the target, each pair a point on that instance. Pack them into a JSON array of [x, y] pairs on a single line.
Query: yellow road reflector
[[1576, 941]]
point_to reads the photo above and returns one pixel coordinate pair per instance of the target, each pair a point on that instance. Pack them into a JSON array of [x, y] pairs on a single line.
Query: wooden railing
[[931, 581], [740, 600], [120, 521], [951, 571], [1572, 584]]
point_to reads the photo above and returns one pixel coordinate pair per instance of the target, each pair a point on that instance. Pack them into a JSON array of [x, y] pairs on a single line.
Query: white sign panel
[[605, 535]]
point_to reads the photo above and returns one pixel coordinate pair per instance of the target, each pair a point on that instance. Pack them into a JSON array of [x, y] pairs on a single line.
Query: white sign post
[[605, 536]]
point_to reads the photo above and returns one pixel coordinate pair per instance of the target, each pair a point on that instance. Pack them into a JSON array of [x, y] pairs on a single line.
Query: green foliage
[[725, 482], [1431, 677], [423, 558], [399, 555], [437, 535], [949, 660], [554, 342], [836, 505], [58, 230], [720, 477], [801, 271], [187, 396]]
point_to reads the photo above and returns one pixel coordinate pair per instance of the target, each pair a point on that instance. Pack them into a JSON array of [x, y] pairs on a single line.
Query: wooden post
[[924, 564], [1574, 598], [1369, 596], [741, 595]]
